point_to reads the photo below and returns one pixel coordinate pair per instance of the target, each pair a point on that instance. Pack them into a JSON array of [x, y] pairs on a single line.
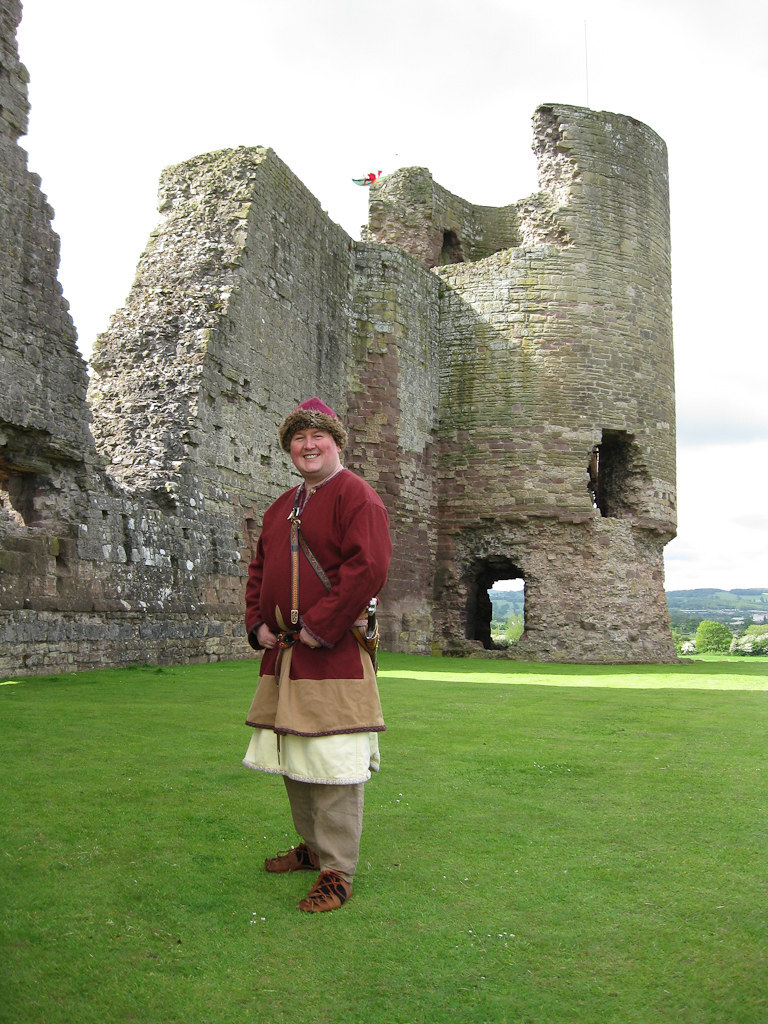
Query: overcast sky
[[339, 88]]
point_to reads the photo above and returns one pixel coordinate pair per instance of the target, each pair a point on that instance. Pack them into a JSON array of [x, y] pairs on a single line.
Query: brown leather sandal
[[329, 892], [300, 858]]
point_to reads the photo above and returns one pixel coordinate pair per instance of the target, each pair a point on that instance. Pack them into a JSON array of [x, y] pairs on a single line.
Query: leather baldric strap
[[298, 542], [295, 524], [313, 561], [295, 518]]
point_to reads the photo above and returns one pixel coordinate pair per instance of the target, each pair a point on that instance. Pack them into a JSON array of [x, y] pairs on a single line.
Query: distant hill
[[505, 602], [685, 606], [709, 599], [736, 608]]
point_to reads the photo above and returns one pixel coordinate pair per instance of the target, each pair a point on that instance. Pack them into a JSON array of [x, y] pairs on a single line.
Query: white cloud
[[722, 518]]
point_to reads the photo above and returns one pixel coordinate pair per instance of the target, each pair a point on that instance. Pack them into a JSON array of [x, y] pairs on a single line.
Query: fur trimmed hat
[[312, 414]]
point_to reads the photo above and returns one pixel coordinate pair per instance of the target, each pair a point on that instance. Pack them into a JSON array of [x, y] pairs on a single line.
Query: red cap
[[315, 405]]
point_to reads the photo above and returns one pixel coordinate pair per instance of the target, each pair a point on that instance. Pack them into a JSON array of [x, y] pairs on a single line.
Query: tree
[[712, 637], [515, 627], [750, 643]]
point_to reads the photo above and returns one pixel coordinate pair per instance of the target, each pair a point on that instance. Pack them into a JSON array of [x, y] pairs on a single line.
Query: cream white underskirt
[[336, 760]]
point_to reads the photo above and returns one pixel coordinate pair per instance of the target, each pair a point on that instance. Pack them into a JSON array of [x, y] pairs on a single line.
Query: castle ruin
[[506, 375]]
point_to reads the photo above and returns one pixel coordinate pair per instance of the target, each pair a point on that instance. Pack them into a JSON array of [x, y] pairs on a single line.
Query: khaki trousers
[[330, 821]]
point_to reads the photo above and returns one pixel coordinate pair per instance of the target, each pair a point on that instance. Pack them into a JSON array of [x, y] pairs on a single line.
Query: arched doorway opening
[[496, 604]]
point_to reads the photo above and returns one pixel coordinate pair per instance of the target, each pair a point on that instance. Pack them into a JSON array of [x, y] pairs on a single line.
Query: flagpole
[[586, 61]]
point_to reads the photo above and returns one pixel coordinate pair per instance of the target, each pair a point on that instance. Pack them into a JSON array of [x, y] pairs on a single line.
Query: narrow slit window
[[616, 475], [451, 251]]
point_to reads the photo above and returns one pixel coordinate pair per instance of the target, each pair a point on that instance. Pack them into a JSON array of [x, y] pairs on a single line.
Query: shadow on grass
[[712, 674]]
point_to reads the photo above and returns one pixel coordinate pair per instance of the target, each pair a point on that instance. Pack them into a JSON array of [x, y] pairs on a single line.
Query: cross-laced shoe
[[329, 892], [300, 858]]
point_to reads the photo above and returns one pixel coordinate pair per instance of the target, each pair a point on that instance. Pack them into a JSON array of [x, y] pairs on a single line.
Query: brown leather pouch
[[368, 641]]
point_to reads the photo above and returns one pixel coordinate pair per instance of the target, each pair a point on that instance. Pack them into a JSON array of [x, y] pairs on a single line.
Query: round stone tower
[[556, 426]]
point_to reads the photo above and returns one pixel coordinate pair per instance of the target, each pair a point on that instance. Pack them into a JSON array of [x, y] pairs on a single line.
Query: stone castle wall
[[506, 376], [393, 415], [43, 417]]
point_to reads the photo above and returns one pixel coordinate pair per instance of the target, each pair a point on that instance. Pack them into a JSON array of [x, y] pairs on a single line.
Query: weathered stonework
[[557, 423], [506, 375]]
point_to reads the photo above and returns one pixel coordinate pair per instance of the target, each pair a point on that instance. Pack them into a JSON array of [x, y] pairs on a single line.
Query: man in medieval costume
[[322, 556]]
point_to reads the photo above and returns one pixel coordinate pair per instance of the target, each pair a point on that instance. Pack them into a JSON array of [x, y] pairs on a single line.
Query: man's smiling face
[[315, 454]]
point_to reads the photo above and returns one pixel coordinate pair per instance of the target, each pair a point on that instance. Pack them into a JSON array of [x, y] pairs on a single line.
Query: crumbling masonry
[[506, 375]]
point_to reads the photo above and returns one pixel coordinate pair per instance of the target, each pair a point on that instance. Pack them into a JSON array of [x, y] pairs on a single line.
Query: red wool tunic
[[329, 690]]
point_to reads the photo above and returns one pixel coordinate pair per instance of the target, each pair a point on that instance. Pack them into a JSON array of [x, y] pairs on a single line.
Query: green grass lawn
[[545, 844]]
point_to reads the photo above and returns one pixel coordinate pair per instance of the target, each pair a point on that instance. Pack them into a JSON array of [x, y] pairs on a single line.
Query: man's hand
[[265, 636]]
